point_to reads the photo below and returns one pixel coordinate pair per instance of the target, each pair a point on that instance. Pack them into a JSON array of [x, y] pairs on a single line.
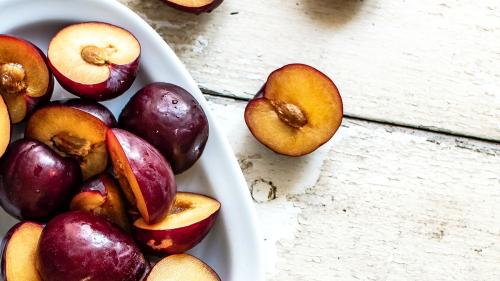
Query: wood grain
[[426, 64], [376, 203]]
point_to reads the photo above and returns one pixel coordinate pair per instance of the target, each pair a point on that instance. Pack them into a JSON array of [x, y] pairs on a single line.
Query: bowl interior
[[215, 249]]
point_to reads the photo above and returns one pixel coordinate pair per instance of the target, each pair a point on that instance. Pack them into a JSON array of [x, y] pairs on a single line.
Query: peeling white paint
[[377, 203]]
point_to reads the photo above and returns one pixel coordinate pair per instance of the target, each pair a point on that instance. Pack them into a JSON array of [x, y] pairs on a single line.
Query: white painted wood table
[[409, 188]]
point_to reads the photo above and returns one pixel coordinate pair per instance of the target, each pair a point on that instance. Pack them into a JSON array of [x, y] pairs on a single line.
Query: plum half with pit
[[77, 246], [19, 248], [170, 118], [94, 60], [143, 173], [296, 111], [36, 182], [25, 78], [71, 132]]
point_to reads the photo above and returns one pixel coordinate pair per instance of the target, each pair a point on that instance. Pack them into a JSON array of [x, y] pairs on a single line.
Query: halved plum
[[77, 246], [182, 267], [25, 78], [71, 132], [298, 109], [19, 252], [4, 127], [194, 6], [94, 60], [187, 223], [143, 173], [101, 196], [92, 107], [36, 182]]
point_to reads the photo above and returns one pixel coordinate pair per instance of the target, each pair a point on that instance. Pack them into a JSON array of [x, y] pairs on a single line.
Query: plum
[[194, 6], [171, 119], [19, 252], [189, 221], [25, 78], [101, 196], [92, 107], [71, 132], [144, 175], [36, 182], [79, 246], [4, 127], [182, 267], [297, 110], [94, 60]]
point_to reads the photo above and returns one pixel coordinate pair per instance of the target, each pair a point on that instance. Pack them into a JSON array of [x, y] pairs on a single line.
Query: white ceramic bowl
[[233, 248]]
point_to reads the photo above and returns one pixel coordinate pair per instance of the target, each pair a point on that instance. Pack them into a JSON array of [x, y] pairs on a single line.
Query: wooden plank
[[426, 63], [376, 203]]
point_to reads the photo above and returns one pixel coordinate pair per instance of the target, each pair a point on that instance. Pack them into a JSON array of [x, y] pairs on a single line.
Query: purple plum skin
[[152, 172], [171, 119], [78, 246], [36, 182], [95, 184], [92, 107], [183, 238]]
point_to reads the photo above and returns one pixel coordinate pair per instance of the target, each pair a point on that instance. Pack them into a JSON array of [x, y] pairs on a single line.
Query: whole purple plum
[[79, 246], [35, 181], [171, 119]]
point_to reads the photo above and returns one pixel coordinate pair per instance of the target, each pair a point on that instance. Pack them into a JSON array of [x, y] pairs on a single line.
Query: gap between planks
[[213, 93]]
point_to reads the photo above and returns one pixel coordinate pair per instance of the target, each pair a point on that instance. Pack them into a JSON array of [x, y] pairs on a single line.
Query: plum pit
[[70, 145], [96, 55], [12, 78], [180, 206], [289, 113]]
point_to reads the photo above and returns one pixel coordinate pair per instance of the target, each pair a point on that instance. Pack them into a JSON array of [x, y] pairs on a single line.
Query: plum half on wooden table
[[25, 78], [94, 60], [296, 111], [194, 6]]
